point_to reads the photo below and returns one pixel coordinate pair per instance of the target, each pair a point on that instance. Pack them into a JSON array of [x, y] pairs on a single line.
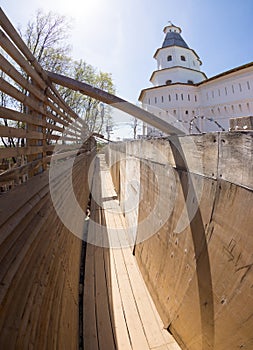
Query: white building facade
[[182, 93]]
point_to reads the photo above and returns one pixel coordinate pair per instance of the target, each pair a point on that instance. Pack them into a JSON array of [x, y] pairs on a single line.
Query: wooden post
[[41, 142]]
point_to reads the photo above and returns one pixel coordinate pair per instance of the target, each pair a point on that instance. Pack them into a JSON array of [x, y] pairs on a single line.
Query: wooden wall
[[201, 278], [40, 266], [39, 256]]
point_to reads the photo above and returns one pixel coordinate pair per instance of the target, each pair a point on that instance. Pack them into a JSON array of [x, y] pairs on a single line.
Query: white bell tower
[[176, 62]]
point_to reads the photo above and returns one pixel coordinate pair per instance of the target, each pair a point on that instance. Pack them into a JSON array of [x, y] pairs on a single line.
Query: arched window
[[169, 58], [169, 98], [183, 58], [190, 82], [162, 98], [168, 82]]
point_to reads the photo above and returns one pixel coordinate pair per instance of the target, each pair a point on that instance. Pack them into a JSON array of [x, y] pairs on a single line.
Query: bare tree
[[46, 36]]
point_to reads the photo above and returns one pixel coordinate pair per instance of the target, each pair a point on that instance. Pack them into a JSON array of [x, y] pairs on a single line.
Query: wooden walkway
[[118, 310]]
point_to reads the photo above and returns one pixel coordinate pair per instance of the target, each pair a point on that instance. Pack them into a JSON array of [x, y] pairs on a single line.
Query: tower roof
[[173, 37]]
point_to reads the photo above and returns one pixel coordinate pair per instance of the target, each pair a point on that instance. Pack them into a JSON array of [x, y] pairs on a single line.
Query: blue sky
[[121, 37]]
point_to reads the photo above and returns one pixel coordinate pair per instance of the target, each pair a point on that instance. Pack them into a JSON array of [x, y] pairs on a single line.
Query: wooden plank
[[7, 131], [21, 170], [11, 202], [18, 58], [12, 72], [134, 325], [19, 96], [7, 113], [9, 152], [236, 158], [116, 102], [122, 339], [104, 326], [153, 331], [89, 316]]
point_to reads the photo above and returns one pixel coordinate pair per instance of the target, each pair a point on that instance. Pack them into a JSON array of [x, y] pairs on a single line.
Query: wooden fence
[[40, 258], [33, 115]]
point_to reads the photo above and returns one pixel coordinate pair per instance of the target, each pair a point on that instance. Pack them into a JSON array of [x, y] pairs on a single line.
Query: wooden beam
[[116, 102]]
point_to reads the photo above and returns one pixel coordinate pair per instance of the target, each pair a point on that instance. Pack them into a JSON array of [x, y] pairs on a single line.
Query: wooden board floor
[[118, 310]]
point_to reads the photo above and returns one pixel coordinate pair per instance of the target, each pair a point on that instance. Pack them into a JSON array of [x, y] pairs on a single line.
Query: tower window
[[195, 98], [183, 58], [169, 58], [186, 112], [162, 98], [169, 98], [176, 96], [182, 97], [248, 85], [168, 82], [240, 87], [190, 82], [189, 97], [233, 90], [226, 91], [155, 99], [149, 101]]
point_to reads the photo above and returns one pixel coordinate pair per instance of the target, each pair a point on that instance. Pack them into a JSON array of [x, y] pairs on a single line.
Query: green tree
[[95, 114]]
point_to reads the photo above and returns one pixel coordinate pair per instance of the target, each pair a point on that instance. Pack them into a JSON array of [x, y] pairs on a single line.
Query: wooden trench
[[100, 288], [42, 286]]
